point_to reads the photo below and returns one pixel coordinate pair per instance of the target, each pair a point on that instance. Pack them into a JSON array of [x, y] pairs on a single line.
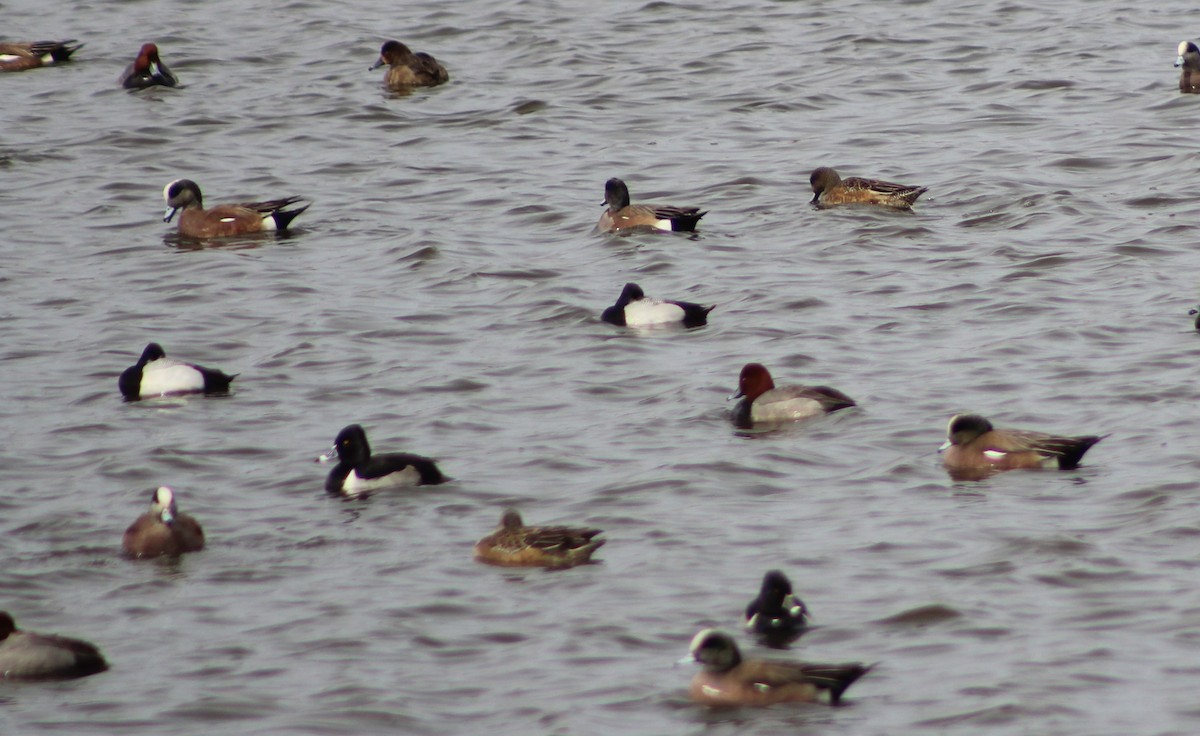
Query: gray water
[[444, 291]]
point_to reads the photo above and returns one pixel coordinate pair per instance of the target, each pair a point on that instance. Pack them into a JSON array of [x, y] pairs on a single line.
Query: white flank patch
[[228, 219], [355, 484], [663, 225], [269, 223], [995, 455], [14, 57], [782, 410], [651, 312], [166, 376]]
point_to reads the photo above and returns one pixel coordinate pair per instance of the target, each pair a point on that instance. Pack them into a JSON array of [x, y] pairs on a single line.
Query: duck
[[163, 530], [761, 401], [225, 219], [157, 375], [147, 70], [975, 449], [20, 56], [25, 655], [406, 69], [555, 547], [635, 309], [728, 680], [621, 215], [776, 613], [1189, 61], [1195, 312], [358, 472], [829, 189]]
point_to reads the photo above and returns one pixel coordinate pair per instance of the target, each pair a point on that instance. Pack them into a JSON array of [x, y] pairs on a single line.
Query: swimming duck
[[359, 472], [635, 309], [763, 402], [975, 449], [621, 215], [777, 614], [830, 189], [147, 71], [556, 547], [25, 655], [1189, 61], [163, 530], [406, 69], [19, 56], [728, 680], [225, 219], [157, 375]]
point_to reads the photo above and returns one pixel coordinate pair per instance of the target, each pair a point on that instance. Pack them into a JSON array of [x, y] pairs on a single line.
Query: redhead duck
[[358, 472], [975, 449], [157, 375], [1189, 60], [406, 69], [556, 547], [830, 189], [621, 215], [147, 70], [777, 615], [25, 655], [163, 530], [728, 680], [17, 57], [225, 219], [635, 309], [763, 402]]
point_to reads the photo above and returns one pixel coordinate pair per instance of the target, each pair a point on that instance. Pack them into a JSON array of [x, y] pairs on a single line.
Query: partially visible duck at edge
[[225, 219], [358, 472], [163, 530], [974, 449], [829, 189], [157, 375], [407, 69], [728, 680], [635, 309], [555, 547], [147, 70], [25, 655], [762, 401], [1189, 61], [621, 215], [776, 614], [1195, 312], [17, 56]]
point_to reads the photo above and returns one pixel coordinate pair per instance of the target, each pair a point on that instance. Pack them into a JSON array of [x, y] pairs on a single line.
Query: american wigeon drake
[[225, 219], [975, 449], [1195, 312], [157, 375], [406, 69], [1189, 60], [147, 70], [25, 655], [776, 614], [556, 547], [621, 215], [635, 309], [763, 402], [728, 680], [829, 189], [17, 57], [163, 530], [359, 472]]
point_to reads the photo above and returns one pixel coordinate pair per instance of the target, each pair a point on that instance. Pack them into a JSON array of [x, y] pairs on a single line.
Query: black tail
[[1073, 448], [283, 218]]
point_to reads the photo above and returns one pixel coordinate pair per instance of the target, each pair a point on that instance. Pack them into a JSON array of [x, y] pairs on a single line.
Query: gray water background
[[444, 291]]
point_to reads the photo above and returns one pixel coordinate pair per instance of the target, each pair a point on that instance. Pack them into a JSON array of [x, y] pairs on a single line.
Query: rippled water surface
[[444, 291]]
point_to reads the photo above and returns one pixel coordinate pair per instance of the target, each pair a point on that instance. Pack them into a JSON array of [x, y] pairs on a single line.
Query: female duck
[[157, 375], [406, 69], [163, 530], [556, 547], [830, 189], [763, 402], [635, 309], [25, 655], [359, 472], [728, 680]]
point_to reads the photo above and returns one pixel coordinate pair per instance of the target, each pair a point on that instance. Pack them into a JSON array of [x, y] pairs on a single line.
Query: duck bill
[[1179, 61], [945, 446], [327, 457], [735, 395], [689, 659], [169, 213], [377, 64]]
